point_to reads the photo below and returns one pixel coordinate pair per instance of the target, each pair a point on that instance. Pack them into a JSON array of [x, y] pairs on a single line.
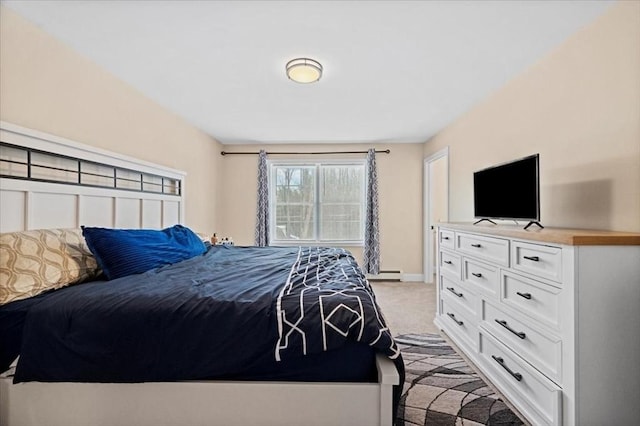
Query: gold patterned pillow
[[32, 262]]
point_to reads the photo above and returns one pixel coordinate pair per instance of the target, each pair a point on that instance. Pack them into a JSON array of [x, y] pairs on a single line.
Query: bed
[[227, 335]]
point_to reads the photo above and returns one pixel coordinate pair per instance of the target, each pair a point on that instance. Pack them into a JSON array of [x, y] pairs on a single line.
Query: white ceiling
[[394, 71]]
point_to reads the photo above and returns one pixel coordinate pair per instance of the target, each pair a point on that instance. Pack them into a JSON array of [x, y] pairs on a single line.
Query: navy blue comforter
[[229, 311]]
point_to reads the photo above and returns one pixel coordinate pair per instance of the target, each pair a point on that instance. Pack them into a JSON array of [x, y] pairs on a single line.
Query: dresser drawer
[[537, 259], [461, 294], [445, 238], [487, 248], [542, 350], [450, 264], [533, 298], [481, 276], [541, 398], [460, 324]]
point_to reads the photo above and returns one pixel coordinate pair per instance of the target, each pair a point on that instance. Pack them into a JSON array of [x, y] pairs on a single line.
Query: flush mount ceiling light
[[304, 70]]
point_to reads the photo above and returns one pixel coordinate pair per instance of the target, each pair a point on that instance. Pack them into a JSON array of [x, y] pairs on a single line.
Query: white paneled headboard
[[51, 182]]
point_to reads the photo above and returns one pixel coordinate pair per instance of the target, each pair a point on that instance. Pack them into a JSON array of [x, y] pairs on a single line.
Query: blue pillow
[[122, 252]]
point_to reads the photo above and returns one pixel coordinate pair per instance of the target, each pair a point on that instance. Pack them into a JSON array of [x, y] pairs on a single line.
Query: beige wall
[[400, 198], [579, 107], [46, 86]]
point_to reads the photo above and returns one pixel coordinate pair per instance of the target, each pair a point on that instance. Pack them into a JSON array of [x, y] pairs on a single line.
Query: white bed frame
[[27, 204]]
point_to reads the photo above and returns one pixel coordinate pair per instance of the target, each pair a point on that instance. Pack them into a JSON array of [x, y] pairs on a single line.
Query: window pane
[[342, 183], [295, 199], [295, 185], [341, 222], [342, 200], [294, 222]]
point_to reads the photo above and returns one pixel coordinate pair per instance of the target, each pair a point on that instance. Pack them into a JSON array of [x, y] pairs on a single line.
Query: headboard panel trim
[[39, 203], [20, 162]]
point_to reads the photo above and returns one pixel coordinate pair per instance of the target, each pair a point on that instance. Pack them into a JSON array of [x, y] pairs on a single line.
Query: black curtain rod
[[385, 151]]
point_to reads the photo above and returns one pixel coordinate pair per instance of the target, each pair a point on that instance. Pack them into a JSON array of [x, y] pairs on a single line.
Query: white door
[[436, 205]]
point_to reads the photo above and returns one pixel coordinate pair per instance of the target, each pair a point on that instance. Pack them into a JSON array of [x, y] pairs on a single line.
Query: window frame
[[317, 204]]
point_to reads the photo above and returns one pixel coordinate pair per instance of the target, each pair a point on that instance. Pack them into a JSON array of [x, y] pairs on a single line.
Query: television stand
[[488, 220], [533, 222]]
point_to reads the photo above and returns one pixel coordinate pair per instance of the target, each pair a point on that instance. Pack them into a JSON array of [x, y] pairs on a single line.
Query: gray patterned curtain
[[371, 253], [262, 216]]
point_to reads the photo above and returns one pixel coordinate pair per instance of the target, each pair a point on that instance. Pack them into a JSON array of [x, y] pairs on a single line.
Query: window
[[315, 203]]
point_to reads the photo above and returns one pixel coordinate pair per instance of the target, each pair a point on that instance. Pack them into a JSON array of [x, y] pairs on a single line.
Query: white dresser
[[550, 316]]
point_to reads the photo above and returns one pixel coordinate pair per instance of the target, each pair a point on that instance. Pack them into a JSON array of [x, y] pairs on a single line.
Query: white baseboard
[[413, 277], [386, 275], [396, 275]]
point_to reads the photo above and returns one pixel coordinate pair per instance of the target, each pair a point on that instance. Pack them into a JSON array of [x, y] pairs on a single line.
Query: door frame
[[428, 251]]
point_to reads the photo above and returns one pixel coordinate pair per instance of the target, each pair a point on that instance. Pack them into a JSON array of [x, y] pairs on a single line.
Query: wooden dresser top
[[573, 237]]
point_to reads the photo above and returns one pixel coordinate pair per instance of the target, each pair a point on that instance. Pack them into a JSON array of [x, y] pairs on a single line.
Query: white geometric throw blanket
[[326, 301]]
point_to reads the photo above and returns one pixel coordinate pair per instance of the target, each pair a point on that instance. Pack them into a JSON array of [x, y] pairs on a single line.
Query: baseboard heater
[[386, 275]]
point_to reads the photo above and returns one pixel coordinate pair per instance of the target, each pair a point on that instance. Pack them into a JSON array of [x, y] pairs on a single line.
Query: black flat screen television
[[508, 191]]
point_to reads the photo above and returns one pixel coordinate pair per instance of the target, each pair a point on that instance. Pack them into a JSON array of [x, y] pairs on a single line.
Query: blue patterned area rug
[[442, 390]]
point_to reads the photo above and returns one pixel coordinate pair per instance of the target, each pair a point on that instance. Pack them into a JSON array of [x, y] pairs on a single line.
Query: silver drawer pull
[[503, 323], [453, 290], [479, 275], [500, 361], [453, 317], [448, 262], [532, 258], [476, 245], [525, 295]]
